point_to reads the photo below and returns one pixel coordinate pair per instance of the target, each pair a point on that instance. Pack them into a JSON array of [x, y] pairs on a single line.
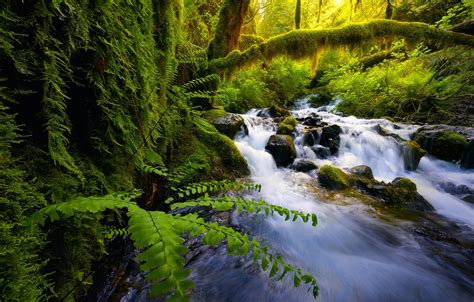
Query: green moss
[[299, 44], [277, 111], [404, 183], [333, 178], [287, 126], [412, 154], [446, 145]]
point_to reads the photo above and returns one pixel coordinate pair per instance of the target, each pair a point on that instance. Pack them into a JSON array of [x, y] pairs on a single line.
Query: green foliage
[[159, 235], [426, 87], [454, 15], [280, 83], [299, 44]]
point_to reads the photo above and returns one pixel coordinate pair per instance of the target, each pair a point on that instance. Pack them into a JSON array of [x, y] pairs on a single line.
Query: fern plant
[[159, 235]]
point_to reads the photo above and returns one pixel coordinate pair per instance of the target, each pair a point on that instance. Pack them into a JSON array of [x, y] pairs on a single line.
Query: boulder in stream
[[287, 126], [450, 143], [304, 165], [330, 138], [362, 170], [412, 154], [401, 192], [225, 122], [282, 148], [333, 178]]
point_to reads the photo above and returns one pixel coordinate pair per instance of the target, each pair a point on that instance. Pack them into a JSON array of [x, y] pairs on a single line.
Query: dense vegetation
[[100, 99]]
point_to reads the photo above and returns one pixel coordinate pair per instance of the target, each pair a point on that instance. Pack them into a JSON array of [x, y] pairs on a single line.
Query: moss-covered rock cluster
[[448, 143], [401, 192]]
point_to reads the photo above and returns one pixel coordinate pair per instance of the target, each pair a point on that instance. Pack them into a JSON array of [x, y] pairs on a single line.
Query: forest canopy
[[108, 115]]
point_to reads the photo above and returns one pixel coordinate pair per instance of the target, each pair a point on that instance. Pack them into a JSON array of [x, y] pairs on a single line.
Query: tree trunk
[[319, 10], [389, 10], [227, 33], [298, 14]]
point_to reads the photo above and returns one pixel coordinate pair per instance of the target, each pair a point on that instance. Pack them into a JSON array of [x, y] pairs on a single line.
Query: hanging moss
[[299, 44]]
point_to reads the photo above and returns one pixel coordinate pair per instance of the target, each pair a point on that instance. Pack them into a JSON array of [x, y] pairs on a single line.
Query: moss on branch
[[303, 43]]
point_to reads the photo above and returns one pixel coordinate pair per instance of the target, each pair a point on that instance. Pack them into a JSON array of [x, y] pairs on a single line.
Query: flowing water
[[356, 252]]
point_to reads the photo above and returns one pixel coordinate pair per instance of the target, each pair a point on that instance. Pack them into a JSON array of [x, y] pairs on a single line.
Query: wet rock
[[450, 143], [384, 132], [455, 189], [435, 234], [333, 178], [321, 152], [282, 148], [304, 165], [401, 192], [312, 120], [287, 126], [412, 154], [467, 161], [362, 170], [330, 138], [225, 122], [277, 111], [469, 198], [309, 139]]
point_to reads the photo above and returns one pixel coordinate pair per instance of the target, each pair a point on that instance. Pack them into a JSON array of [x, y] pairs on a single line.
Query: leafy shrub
[[159, 235]]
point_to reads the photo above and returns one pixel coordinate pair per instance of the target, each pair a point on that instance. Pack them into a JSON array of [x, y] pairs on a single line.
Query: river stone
[[321, 152], [308, 139], [330, 138], [304, 165], [450, 143], [282, 148], [313, 120], [412, 154], [469, 198], [225, 122], [362, 170], [333, 178], [277, 111], [401, 192]]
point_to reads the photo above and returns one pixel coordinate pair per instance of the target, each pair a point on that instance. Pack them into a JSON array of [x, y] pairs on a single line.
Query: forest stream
[[357, 252]]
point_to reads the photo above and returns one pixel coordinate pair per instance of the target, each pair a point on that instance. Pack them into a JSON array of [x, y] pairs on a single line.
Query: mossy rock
[[333, 178], [404, 184], [362, 170], [226, 158], [225, 122], [445, 142], [282, 148], [287, 126], [401, 192], [412, 154], [277, 111]]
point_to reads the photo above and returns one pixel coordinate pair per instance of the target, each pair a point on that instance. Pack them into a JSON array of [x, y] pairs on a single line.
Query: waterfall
[[356, 254]]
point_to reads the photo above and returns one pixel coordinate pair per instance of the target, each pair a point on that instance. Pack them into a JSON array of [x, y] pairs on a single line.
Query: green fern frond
[[215, 187], [110, 232], [162, 252], [252, 206], [193, 84], [91, 204]]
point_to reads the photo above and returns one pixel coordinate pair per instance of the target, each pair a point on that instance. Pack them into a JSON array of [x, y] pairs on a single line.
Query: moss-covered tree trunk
[[298, 14], [227, 33]]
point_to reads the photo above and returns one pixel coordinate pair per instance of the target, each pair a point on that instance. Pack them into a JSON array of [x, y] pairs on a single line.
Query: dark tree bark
[[226, 38], [298, 14], [389, 10], [319, 10]]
